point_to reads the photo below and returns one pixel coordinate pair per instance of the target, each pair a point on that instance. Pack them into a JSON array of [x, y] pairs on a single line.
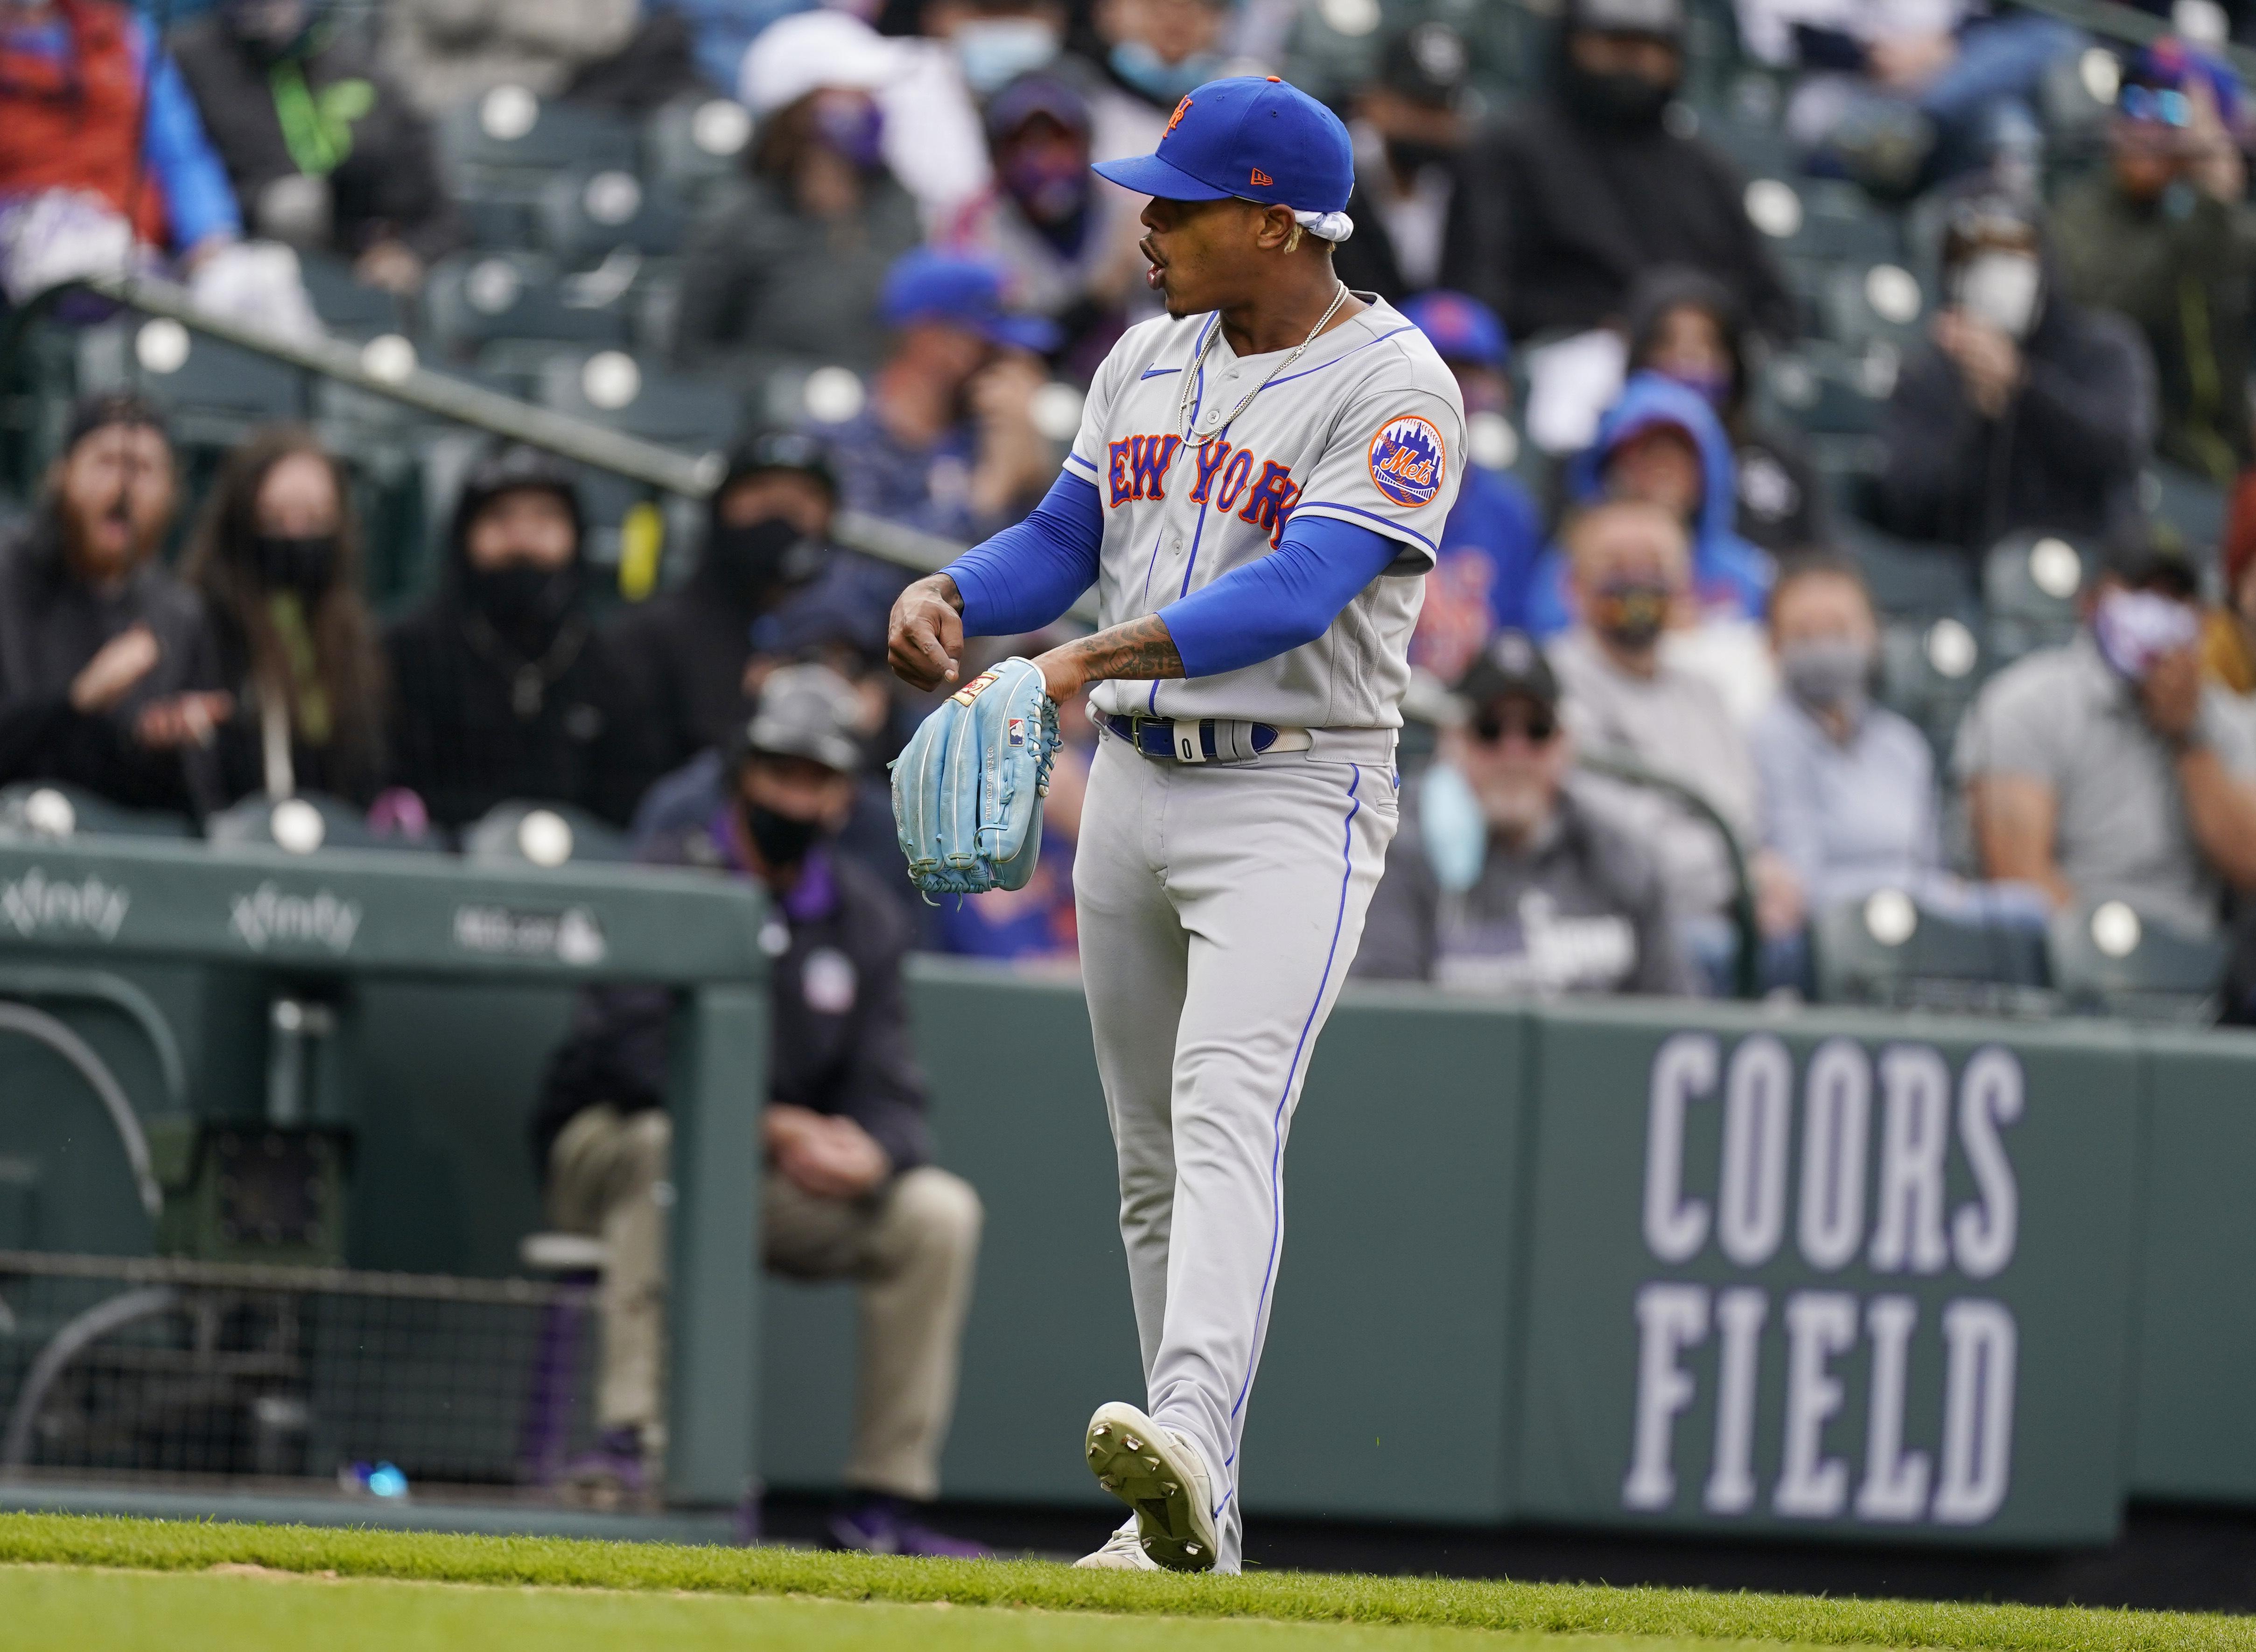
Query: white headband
[[1334, 227]]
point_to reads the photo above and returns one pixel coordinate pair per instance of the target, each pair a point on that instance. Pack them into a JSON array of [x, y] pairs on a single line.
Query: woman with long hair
[[276, 558]]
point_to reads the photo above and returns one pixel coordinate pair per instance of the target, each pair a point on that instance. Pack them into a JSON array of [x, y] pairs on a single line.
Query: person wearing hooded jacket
[[1661, 443], [2024, 409], [1567, 198], [503, 687], [1685, 326]]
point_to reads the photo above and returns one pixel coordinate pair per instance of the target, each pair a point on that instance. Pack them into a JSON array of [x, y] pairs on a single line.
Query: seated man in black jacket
[[2026, 410], [108, 678], [322, 149], [849, 1192], [1565, 198], [503, 688]]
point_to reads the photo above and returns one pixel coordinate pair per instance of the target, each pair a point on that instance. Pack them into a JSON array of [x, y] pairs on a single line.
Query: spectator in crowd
[[1623, 697], [2228, 641], [106, 674], [321, 147], [1504, 877], [2026, 409], [2105, 769], [2164, 234], [1408, 132], [1900, 94], [1490, 544], [502, 689], [1684, 325], [445, 53], [277, 561], [964, 54], [768, 534], [787, 266], [849, 1190], [1066, 239], [1662, 444], [101, 149], [947, 440], [1848, 786], [1154, 53], [1570, 196]]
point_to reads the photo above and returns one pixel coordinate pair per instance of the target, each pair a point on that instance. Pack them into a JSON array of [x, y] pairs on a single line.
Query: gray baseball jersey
[[1366, 426]]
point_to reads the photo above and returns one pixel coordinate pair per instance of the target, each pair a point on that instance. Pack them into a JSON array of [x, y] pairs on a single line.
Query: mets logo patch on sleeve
[[1407, 460]]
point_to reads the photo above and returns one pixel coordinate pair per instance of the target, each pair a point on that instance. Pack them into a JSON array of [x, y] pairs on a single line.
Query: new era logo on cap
[[1262, 179]]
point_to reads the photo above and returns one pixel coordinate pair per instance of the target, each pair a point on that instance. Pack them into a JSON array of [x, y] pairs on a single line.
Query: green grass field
[[122, 1585]]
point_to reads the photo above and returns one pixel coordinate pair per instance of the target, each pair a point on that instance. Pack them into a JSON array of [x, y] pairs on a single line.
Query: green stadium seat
[[1823, 218], [639, 396], [521, 834], [586, 212], [1826, 389], [216, 391], [1860, 304], [509, 138], [694, 144], [476, 300], [1893, 950], [300, 825], [2030, 583], [2191, 505], [345, 305], [52, 810], [2107, 958], [1930, 670]]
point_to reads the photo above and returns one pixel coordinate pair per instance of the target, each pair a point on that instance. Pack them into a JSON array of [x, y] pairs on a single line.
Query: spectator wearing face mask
[[947, 441], [965, 52], [2024, 409], [849, 1190], [102, 151], [1065, 239], [2106, 769], [107, 679], [1506, 877], [767, 535], [1407, 132], [1848, 786], [321, 147], [1684, 325], [1568, 197], [1492, 539], [277, 561], [1154, 53], [503, 688], [2164, 234], [786, 267]]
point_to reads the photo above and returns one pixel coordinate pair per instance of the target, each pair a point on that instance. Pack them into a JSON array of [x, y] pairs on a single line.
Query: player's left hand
[[924, 638]]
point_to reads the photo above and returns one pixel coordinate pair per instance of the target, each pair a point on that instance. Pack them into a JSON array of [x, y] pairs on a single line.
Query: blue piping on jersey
[[1337, 359], [1075, 458], [1371, 516], [1157, 372], [1277, 1121]]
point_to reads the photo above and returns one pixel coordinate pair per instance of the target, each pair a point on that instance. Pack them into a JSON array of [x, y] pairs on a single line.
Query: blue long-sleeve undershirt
[[1028, 574]]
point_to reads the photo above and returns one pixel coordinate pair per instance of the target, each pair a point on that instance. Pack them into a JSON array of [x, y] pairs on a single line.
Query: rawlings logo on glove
[[968, 789]]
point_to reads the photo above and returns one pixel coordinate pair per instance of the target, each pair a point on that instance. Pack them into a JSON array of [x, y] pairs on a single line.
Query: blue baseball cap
[[1462, 329], [1253, 137], [926, 286]]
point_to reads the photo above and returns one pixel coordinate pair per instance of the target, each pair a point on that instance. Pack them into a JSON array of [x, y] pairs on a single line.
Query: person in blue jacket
[[1494, 535], [1661, 442]]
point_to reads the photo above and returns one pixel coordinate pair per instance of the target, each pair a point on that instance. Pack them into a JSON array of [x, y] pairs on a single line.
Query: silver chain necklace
[[1206, 346]]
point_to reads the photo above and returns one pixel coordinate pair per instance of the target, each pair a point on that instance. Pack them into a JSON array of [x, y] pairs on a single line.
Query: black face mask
[[1617, 100], [783, 840], [301, 564], [524, 602], [751, 559]]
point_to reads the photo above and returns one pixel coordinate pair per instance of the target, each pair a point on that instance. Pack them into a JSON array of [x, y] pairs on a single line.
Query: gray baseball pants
[[1219, 908]]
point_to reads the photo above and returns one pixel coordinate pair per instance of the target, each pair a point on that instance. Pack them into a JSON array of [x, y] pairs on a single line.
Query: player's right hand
[[925, 636]]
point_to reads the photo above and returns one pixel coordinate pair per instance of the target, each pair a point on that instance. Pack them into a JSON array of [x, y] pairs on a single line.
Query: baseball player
[[1255, 489]]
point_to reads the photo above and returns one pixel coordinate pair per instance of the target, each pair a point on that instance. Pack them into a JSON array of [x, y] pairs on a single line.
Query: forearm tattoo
[[1141, 649]]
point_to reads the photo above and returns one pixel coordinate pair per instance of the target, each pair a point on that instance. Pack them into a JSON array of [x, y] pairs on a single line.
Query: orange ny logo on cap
[[1262, 178], [1176, 119]]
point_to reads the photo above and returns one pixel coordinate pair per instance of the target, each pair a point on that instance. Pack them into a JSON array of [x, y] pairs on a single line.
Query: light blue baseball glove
[[968, 789]]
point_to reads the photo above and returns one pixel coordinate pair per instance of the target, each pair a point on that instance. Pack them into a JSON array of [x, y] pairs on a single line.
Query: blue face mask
[[1713, 388], [993, 52], [1162, 81]]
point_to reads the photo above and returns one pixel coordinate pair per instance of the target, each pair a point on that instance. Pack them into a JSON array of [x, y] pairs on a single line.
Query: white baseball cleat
[[1121, 1552], [1160, 1474]]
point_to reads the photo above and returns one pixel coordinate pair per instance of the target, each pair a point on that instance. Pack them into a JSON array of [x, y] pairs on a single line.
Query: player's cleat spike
[[1158, 1473]]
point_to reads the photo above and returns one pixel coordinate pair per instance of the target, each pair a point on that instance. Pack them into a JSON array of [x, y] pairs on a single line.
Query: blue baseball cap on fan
[[1253, 137], [1462, 329], [926, 286]]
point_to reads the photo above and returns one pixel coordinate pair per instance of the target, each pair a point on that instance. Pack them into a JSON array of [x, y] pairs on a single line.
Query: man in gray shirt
[[1504, 877], [2105, 769]]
